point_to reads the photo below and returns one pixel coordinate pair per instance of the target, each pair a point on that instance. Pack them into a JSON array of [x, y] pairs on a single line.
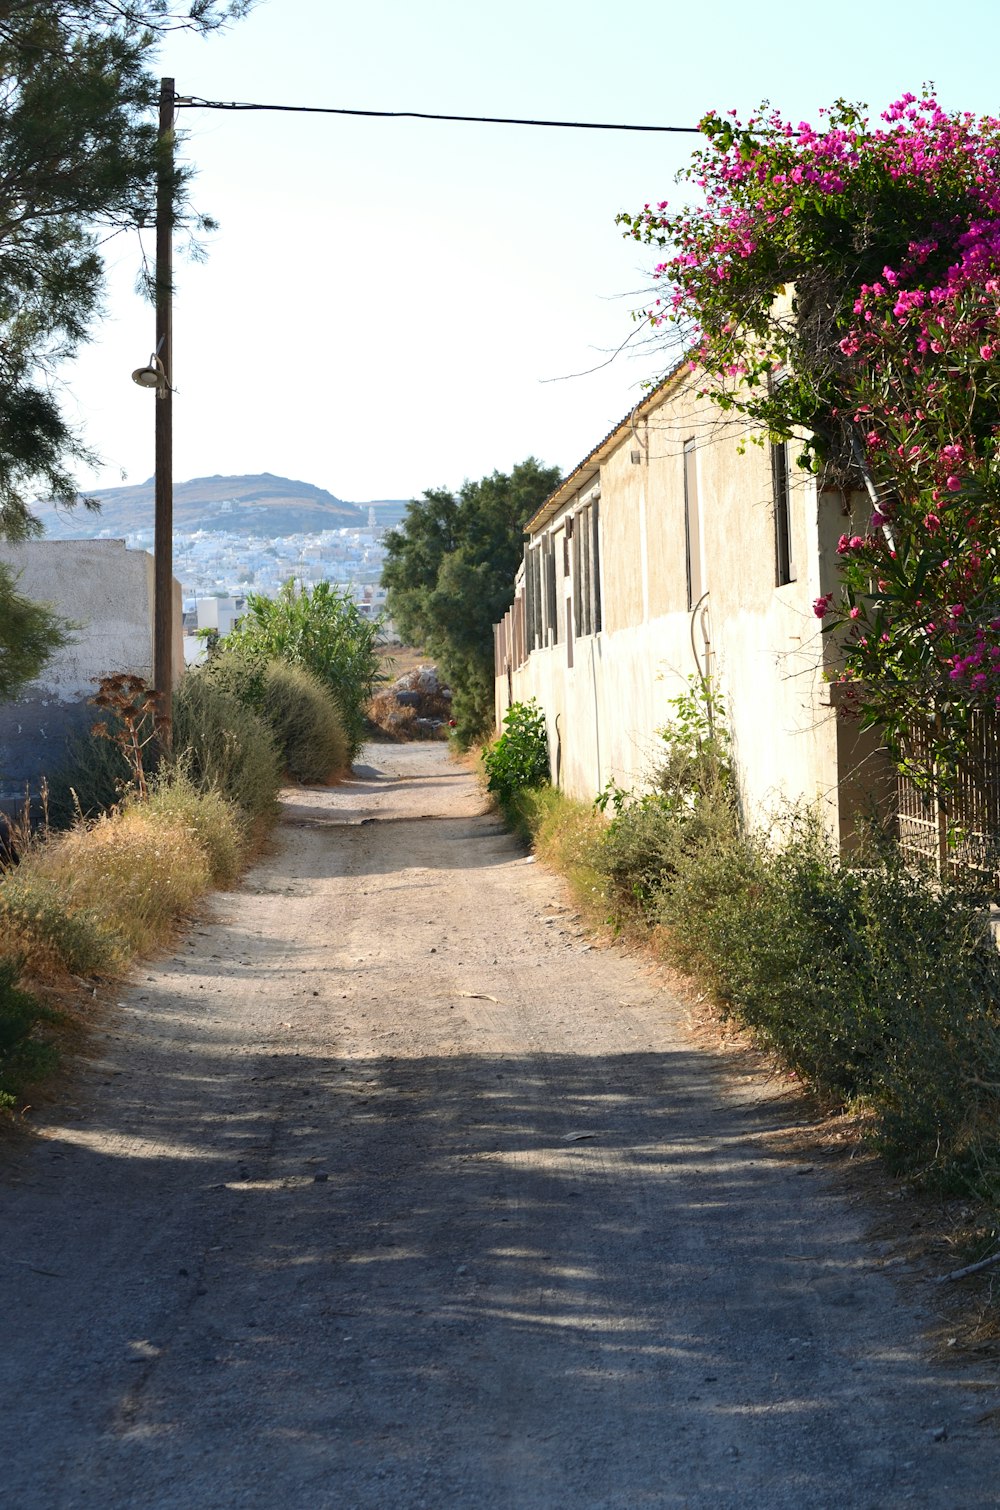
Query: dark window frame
[[784, 561]]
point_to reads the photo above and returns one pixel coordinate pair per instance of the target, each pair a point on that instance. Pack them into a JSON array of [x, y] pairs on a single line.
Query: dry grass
[[82, 904], [85, 902], [133, 877], [213, 824]]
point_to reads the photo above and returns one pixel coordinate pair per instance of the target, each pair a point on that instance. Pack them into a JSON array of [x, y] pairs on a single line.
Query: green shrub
[[648, 840], [871, 981], [216, 825], [322, 629], [306, 722], [297, 706], [241, 676], [223, 744], [519, 758], [23, 1057]]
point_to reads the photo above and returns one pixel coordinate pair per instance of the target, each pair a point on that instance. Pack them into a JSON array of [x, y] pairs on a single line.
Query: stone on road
[[385, 1191]]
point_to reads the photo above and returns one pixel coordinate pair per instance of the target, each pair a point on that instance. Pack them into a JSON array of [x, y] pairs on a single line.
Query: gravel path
[[387, 1190]]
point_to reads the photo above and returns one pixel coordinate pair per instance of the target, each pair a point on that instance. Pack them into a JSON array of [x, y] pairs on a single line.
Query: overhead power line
[[192, 102]]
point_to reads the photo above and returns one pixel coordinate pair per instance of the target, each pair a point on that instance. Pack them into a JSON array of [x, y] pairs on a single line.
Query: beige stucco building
[[679, 546]]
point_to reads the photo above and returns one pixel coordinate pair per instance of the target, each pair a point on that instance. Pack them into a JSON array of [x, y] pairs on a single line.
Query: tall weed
[[213, 823], [224, 745], [518, 759], [306, 722]]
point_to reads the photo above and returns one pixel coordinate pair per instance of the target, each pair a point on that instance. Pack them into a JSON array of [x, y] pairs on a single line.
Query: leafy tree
[[29, 635], [449, 571], [320, 628], [845, 281], [78, 158]]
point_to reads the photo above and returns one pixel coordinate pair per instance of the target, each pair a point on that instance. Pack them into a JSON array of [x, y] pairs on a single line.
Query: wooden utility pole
[[163, 540]]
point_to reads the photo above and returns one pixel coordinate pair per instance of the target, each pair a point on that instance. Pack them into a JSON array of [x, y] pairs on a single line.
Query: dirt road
[[387, 1190]]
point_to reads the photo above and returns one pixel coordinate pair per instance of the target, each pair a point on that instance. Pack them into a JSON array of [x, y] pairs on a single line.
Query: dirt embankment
[[389, 1190]]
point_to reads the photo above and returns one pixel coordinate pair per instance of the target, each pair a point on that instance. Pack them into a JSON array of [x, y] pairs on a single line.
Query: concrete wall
[[760, 642], [107, 591]]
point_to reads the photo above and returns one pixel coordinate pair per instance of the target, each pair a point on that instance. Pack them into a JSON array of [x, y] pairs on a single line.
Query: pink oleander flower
[[953, 483], [932, 523], [821, 606]]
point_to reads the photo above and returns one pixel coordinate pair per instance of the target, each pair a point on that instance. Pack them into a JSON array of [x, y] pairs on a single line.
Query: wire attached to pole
[[194, 102]]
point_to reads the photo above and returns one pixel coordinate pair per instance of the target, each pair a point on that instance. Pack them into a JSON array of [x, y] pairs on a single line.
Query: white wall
[[107, 591], [767, 656]]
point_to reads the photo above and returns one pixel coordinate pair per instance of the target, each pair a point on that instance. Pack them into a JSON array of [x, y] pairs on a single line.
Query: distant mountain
[[254, 505]]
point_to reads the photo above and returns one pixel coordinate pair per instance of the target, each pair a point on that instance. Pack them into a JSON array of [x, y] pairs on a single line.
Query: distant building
[[220, 614]]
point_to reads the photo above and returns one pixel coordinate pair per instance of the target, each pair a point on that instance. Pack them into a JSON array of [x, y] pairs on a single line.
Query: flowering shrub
[[844, 282]]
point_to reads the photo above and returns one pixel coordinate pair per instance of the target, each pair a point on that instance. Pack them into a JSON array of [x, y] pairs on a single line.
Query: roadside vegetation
[[129, 843], [322, 631], [449, 571], [878, 987]]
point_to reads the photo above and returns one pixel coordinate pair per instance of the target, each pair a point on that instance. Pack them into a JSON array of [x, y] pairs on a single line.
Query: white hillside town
[[226, 547]]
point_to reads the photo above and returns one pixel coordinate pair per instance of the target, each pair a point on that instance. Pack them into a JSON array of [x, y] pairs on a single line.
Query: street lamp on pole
[[158, 375]]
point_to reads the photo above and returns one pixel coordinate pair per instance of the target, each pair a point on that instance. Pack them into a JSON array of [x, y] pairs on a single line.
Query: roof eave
[[592, 463]]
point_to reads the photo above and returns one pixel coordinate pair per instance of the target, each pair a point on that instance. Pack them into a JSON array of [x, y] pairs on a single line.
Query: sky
[[390, 306]]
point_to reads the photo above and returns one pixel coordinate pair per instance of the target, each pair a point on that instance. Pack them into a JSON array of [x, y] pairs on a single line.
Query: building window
[[595, 567], [692, 525], [784, 566], [533, 597], [551, 603], [586, 571]]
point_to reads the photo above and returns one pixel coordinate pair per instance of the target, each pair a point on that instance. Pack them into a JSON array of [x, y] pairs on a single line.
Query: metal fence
[[958, 832]]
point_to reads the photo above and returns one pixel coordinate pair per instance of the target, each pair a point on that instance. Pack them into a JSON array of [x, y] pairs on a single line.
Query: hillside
[[253, 505]]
